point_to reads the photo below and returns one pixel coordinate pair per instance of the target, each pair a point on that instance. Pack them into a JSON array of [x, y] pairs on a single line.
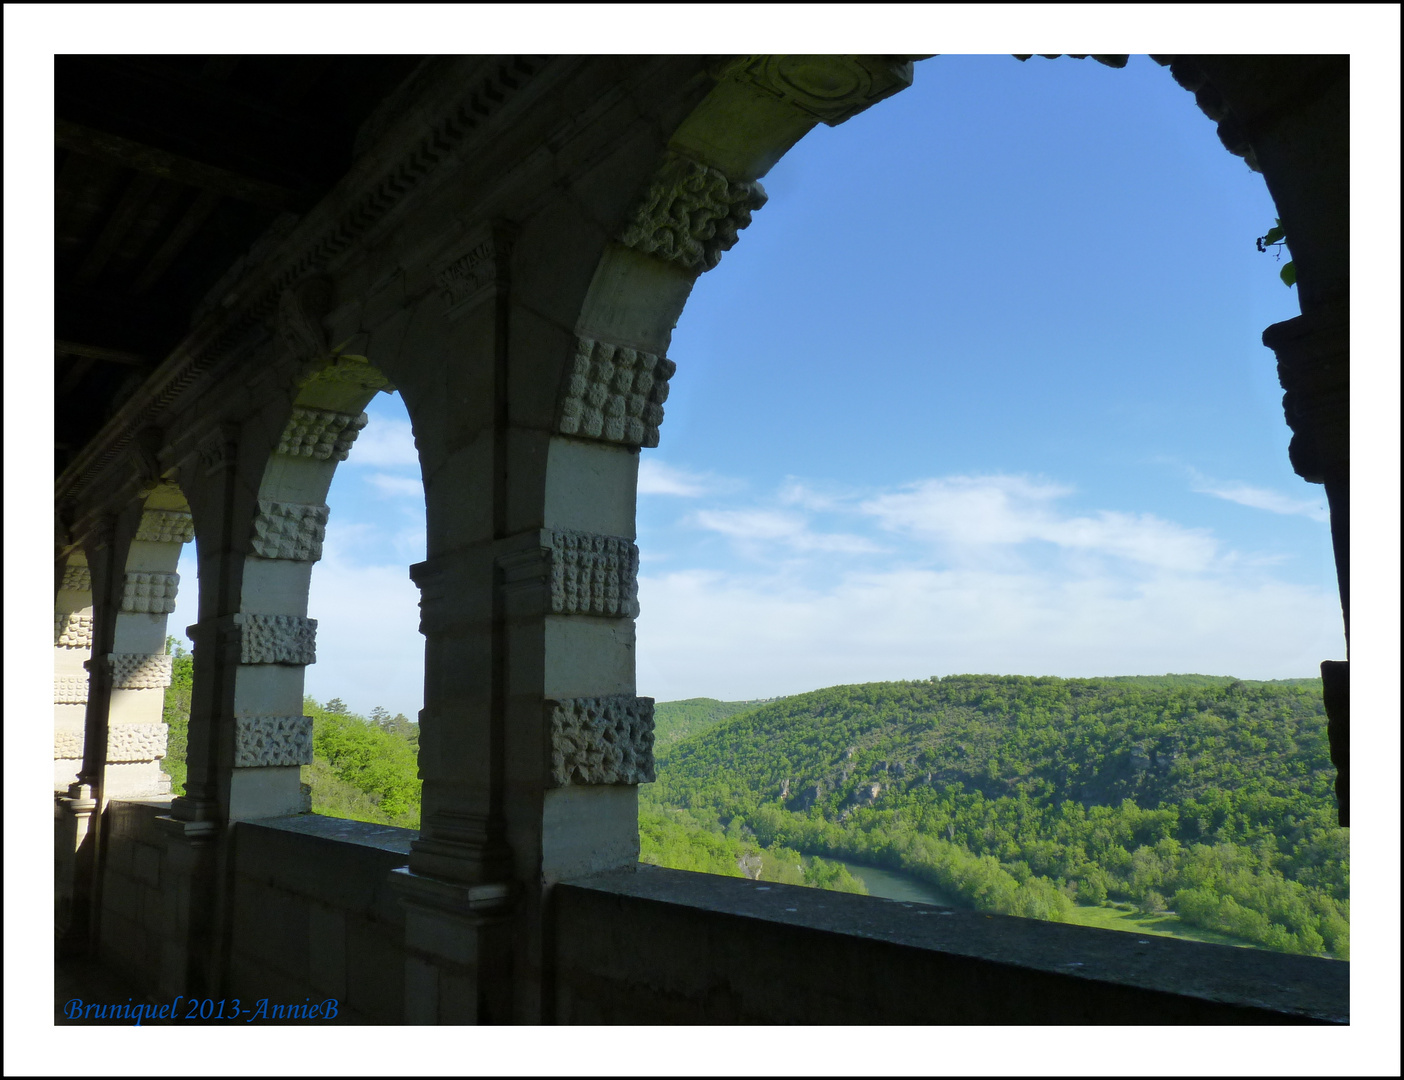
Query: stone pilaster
[[1313, 366]]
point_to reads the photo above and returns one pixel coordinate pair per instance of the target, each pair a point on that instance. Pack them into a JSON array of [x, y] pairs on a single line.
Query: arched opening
[[1133, 585]]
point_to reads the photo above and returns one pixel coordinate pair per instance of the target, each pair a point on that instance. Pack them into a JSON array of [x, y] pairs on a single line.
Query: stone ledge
[[885, 961]]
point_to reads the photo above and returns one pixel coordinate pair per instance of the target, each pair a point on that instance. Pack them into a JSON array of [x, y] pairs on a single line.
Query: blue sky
[[980, 390]]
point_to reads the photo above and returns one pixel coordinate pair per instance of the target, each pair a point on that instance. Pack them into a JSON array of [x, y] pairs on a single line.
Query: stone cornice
[[361, 200]]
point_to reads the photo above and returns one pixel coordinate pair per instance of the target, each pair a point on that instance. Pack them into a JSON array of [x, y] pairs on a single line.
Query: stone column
[[73, 637], [1313, 366]]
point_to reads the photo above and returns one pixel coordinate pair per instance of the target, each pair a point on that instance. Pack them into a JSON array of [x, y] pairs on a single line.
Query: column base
[[458, 959]]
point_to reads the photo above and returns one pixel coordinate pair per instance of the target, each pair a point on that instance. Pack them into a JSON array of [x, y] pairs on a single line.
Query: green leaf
[[1274, 235], [1289, 274]]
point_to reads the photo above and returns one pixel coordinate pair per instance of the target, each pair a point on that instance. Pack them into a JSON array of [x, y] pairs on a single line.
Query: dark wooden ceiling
[[167, 170]]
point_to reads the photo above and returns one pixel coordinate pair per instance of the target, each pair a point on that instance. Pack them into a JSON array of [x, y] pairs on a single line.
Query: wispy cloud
[[763, 527], [1263, 499], [656, 478]]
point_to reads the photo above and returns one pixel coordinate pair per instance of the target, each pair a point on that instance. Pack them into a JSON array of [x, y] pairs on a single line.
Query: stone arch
[[260, 520]]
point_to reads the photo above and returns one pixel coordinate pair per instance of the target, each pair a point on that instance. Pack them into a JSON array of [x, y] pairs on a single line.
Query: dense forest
[[1208, 797], [1205, 802]]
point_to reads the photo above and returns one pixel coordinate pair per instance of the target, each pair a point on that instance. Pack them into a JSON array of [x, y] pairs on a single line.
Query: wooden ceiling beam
[[161, 163], [99, 352]]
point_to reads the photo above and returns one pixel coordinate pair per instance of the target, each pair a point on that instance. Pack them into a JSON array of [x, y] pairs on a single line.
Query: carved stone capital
[[136, 742], [320, 434], [272, 740], [73, 631], [68, 746], [289, 530], [828, 88], [1313, 366], [151, 593], [276, 639], [614, 393], [691, 213], [605, 740], [70, 689], [125, 743], [166, 527], [480, 271], [77, 578], [594, 575], [140, 671]]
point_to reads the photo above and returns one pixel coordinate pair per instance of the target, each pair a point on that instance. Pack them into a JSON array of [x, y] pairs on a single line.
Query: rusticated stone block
[[68, 745], [136, 742], [289, 530], [73, 631], [276, 639], [605, 740], [321, 434], [691, 213], [594, 575], [78, 578], [140, 671], [272, 740], [150, 593], [70, 689], [166, 527], [615, 393]]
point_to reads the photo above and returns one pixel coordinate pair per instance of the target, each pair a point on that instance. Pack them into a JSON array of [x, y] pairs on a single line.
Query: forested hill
[[674, 721], [1027, 794], [1151, 739]]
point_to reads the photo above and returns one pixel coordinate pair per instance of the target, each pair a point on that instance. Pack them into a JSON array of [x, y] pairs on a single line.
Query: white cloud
[[405, 486], [656, 478], [369, 649], [1263, 499], [753, 528], [734, 637], [976, 513], [386, 443]]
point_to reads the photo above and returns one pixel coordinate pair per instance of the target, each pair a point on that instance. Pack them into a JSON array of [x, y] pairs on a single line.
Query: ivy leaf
[[1289, 274]]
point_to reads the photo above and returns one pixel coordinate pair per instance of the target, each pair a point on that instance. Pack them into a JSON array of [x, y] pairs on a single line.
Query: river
[[895, 884]]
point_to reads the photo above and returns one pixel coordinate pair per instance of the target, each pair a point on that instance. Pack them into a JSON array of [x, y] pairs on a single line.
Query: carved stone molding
[[320, 434], [594, 575], [276, 639], [829, 88], [70, 689], [289, 530], [126, 743], [605, 740], [272, 740], [73, 631], [219, 449], [480, 271], [615, 393], [350, 371], [136, 742], [77, 578], [68, 746], [691, 213], [298, 321], [140, 671], [166, 527], [151, 593]]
